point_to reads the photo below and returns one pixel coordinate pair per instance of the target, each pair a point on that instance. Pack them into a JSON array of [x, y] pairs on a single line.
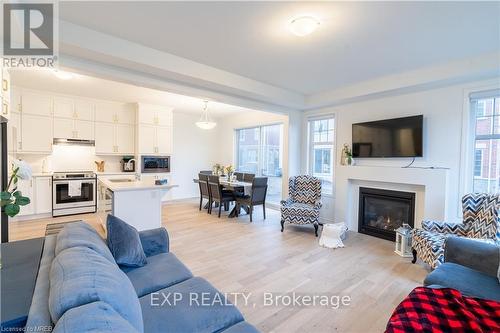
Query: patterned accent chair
[[303, 205], [481, 221]]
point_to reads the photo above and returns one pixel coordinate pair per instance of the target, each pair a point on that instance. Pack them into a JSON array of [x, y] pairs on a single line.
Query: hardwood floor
[[238, 256]]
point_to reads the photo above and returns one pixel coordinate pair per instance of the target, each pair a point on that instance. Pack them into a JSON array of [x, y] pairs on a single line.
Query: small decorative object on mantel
[[346, 156], [11, 200], [100, 165], [403, 241]]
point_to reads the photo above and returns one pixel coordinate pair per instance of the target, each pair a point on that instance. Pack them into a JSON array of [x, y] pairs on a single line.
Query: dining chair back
[[239, 176], [214, 187], [259, 190], [248, 177], [206, 172], [204, 190]]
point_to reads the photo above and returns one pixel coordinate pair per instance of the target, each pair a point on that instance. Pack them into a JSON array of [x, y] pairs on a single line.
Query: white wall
[[443, 110], [194, 150]]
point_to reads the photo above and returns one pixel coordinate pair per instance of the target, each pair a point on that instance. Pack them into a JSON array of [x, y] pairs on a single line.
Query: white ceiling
[[356, 42], [92, 87]]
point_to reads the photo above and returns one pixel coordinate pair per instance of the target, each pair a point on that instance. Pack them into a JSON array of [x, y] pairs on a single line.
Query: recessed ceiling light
[[304, 25], [64, 75]]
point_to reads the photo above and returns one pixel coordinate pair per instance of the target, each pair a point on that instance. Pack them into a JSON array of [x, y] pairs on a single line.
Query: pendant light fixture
[[205, 121]]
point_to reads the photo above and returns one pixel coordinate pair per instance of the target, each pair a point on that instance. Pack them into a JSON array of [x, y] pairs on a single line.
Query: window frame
[[311, 145]]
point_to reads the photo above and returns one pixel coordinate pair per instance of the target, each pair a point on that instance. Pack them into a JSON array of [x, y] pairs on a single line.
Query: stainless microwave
[[155, 164]]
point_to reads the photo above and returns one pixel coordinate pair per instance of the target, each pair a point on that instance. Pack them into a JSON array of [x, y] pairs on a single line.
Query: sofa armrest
[[458, 229], [481, 256], [154, 241]]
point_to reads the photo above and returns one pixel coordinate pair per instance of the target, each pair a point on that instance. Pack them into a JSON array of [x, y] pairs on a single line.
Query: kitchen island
[[137, 202]]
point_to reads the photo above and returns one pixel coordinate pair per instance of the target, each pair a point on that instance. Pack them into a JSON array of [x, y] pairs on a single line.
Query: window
[[259, 151], [321, 151], [486, 123]]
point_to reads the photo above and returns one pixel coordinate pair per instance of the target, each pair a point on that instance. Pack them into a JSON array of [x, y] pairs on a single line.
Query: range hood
[[73, 142]]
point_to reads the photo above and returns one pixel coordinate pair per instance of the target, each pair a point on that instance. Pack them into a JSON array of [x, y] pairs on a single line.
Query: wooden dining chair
[[217, 195], [248, 177], [204, 190], [206, 172], [257, 196], [239, 176]]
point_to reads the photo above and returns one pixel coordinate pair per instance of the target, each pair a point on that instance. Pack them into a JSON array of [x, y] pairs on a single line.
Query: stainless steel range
[[74, 193]]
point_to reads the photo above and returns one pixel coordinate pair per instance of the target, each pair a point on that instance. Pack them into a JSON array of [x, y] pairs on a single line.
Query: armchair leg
[[414, 252], [316, 230], [282, 225]]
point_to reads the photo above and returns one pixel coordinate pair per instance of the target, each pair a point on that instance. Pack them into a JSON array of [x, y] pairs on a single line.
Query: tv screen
[[398, 137]]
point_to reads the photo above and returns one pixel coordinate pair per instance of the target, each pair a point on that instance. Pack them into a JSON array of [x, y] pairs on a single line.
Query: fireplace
[[381, 211]]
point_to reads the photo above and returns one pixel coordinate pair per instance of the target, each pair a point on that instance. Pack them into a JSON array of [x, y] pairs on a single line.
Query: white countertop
[[136, 185]]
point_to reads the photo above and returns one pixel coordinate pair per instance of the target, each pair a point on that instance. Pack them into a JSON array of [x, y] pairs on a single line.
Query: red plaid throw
[[444, 310]]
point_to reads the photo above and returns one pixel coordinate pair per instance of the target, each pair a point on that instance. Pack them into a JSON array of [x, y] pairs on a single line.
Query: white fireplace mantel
[[431, 184]]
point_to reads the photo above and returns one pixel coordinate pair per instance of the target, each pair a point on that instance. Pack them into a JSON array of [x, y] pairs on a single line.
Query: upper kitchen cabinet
[[154, 115], [112, 112], [34, 103], [73, 129], [114, 139], [36, 134], [84, 110], [73, 108], [5, 92]]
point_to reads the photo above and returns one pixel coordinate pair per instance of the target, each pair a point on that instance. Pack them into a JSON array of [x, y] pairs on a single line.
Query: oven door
[[62, 197]]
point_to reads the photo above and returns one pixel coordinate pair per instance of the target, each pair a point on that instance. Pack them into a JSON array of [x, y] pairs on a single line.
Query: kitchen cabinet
[[64, 107], [5, 92], [26, 188], [43, 195], [114, 139], [14, 132], [36, 134], [73, 129], [118, 113], [155, 140], [155, 115], [34, 103], [84, 110]]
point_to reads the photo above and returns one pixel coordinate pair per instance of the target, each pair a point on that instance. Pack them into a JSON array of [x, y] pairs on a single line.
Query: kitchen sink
[[122, 180]]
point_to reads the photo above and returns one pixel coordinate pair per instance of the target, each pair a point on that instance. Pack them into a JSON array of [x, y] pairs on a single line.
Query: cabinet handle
[[5, 108], [5, 85]]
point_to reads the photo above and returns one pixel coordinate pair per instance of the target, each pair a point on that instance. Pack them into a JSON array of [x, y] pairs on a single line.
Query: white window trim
[[310, 146], [466, 168]]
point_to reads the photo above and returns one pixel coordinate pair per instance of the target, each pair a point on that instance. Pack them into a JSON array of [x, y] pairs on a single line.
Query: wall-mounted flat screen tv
[[398, 137]]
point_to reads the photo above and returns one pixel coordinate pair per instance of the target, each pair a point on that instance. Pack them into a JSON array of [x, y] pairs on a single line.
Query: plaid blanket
[[444, 310]]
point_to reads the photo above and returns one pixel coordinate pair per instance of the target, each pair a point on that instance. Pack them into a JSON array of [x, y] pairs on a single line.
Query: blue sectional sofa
[[80, 288], [470, 266]]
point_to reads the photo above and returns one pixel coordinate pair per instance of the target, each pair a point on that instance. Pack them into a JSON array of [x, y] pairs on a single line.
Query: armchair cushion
[[299, 209], [474, 254]]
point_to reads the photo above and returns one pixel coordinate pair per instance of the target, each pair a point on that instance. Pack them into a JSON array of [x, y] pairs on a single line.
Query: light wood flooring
[[238, 256]]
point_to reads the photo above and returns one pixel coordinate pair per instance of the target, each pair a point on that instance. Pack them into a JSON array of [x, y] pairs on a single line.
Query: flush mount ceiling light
[[304, 25], [63, 75], [205, 121]]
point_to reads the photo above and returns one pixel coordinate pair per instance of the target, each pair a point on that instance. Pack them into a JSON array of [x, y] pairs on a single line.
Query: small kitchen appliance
[[128, 164]]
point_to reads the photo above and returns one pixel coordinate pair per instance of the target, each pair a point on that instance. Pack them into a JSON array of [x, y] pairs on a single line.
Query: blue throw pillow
[[125, 243]]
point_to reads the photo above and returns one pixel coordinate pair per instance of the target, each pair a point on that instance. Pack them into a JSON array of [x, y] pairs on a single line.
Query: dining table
[[233, 186]]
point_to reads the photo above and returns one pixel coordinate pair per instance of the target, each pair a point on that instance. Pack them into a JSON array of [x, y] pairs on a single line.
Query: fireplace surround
[[382, 211]]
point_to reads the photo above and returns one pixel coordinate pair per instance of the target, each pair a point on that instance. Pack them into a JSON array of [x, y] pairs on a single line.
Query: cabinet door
[[147, 139], [36, 134], [63, 107], [104, 138], [126, 114], [43, 195], [164, 117], [36, 104], [14, 132], [26, 188], [6, 84], [5, 111], [105, 112], [147, 115], [84, 110], [164, 137], [64, 128], [84, 130], [125, 139]]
